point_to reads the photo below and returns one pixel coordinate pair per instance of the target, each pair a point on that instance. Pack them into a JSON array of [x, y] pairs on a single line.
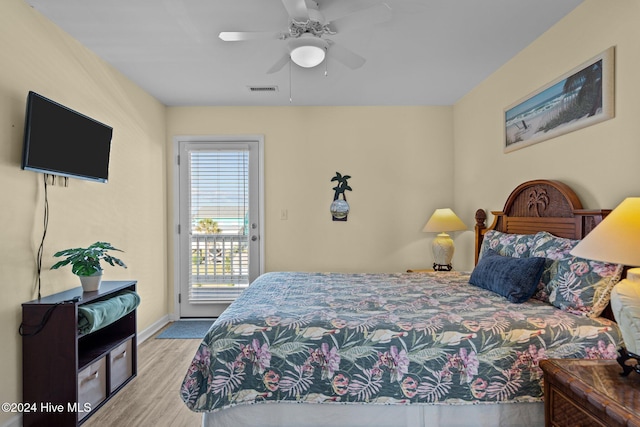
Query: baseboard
[[151, 330]]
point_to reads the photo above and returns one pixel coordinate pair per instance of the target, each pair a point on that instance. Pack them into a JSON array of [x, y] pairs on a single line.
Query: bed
[[408, 349]]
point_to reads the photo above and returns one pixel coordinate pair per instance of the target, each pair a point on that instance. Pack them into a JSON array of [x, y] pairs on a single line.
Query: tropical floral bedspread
[[386, 339]]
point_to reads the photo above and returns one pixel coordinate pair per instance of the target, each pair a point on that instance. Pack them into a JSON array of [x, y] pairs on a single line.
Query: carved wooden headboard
[[540, 205]]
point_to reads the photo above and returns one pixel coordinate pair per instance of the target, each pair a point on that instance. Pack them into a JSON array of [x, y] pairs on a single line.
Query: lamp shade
[[444, 220], [617, 238]]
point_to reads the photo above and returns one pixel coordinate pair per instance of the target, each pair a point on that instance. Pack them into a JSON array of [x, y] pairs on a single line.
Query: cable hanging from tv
[[44, 235]]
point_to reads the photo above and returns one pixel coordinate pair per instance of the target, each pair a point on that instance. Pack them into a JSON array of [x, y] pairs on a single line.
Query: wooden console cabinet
[[67, 376], [586, 392]]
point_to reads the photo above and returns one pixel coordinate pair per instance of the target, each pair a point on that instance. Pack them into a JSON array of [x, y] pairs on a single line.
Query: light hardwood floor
[[152, 398]]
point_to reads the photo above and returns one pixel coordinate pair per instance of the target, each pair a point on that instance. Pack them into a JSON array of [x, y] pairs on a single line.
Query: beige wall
[[405, 162], [399, 159], [600, 162], [129, 211]]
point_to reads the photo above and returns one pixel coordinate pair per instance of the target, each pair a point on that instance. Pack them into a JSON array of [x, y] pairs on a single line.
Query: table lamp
[[617, 240], [441, 221]]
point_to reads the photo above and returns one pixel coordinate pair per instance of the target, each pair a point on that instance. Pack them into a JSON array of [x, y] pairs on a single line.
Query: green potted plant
[[85, 263]]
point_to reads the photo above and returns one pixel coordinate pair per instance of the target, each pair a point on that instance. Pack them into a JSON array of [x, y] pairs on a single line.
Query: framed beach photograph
[[582, 97]]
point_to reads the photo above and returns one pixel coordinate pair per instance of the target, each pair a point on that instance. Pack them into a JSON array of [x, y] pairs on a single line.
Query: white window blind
[[219, 203]]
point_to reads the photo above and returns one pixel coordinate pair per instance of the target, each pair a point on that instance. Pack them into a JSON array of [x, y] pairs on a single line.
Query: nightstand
[[587, 392]]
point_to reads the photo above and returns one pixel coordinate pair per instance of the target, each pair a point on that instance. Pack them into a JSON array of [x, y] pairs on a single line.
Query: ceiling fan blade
[[365, 17], [345, 56], [236, 36], [297, 9], [334, 9], [278, 65]]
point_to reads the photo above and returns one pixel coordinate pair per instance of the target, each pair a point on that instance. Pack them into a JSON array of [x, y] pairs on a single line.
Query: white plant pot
[[91, 283]]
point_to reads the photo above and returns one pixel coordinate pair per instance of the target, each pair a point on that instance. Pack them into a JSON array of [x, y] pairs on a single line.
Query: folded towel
[[98, 314]]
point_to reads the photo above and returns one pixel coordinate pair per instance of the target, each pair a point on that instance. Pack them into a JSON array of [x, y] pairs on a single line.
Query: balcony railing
[[219, 267]]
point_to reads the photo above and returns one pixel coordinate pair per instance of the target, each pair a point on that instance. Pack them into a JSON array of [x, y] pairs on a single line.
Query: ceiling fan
[[309, 24]]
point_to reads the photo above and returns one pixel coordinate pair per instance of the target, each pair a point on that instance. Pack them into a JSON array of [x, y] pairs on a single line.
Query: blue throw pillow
[[514, 278]]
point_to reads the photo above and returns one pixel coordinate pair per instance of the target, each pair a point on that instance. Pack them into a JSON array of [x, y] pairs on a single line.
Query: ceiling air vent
[[263, 89]]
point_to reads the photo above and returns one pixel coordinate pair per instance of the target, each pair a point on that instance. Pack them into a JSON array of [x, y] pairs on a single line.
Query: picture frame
[[582, 97]]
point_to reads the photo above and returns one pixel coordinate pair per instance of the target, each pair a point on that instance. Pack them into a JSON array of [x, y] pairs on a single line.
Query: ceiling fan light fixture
[[308, 56], [308, 51]]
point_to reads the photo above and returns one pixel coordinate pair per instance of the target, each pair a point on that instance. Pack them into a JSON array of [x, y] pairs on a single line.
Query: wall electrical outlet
[[284, 214]]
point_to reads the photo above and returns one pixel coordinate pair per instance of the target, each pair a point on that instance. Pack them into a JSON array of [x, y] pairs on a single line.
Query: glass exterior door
[[219, 224]]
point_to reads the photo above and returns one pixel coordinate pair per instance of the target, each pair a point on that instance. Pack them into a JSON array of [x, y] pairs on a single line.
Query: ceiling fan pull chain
[[326, 66], [290, 96]]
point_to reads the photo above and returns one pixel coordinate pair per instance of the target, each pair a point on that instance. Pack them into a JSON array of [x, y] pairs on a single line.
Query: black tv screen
[[60, 141]]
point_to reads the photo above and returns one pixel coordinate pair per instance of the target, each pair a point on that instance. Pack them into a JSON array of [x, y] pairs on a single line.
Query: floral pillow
[[513, 245], [554, 249], [573, 284]]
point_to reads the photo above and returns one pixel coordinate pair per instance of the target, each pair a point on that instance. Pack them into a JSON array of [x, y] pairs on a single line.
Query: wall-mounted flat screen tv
[[61, 141]]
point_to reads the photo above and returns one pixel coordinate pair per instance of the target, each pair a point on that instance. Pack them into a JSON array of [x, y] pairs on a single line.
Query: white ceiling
[[431, 52]]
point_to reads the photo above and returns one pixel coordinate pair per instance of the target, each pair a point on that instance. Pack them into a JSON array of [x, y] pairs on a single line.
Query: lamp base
[[628, 361], [442, 247], [625, 305], [442, 267]]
